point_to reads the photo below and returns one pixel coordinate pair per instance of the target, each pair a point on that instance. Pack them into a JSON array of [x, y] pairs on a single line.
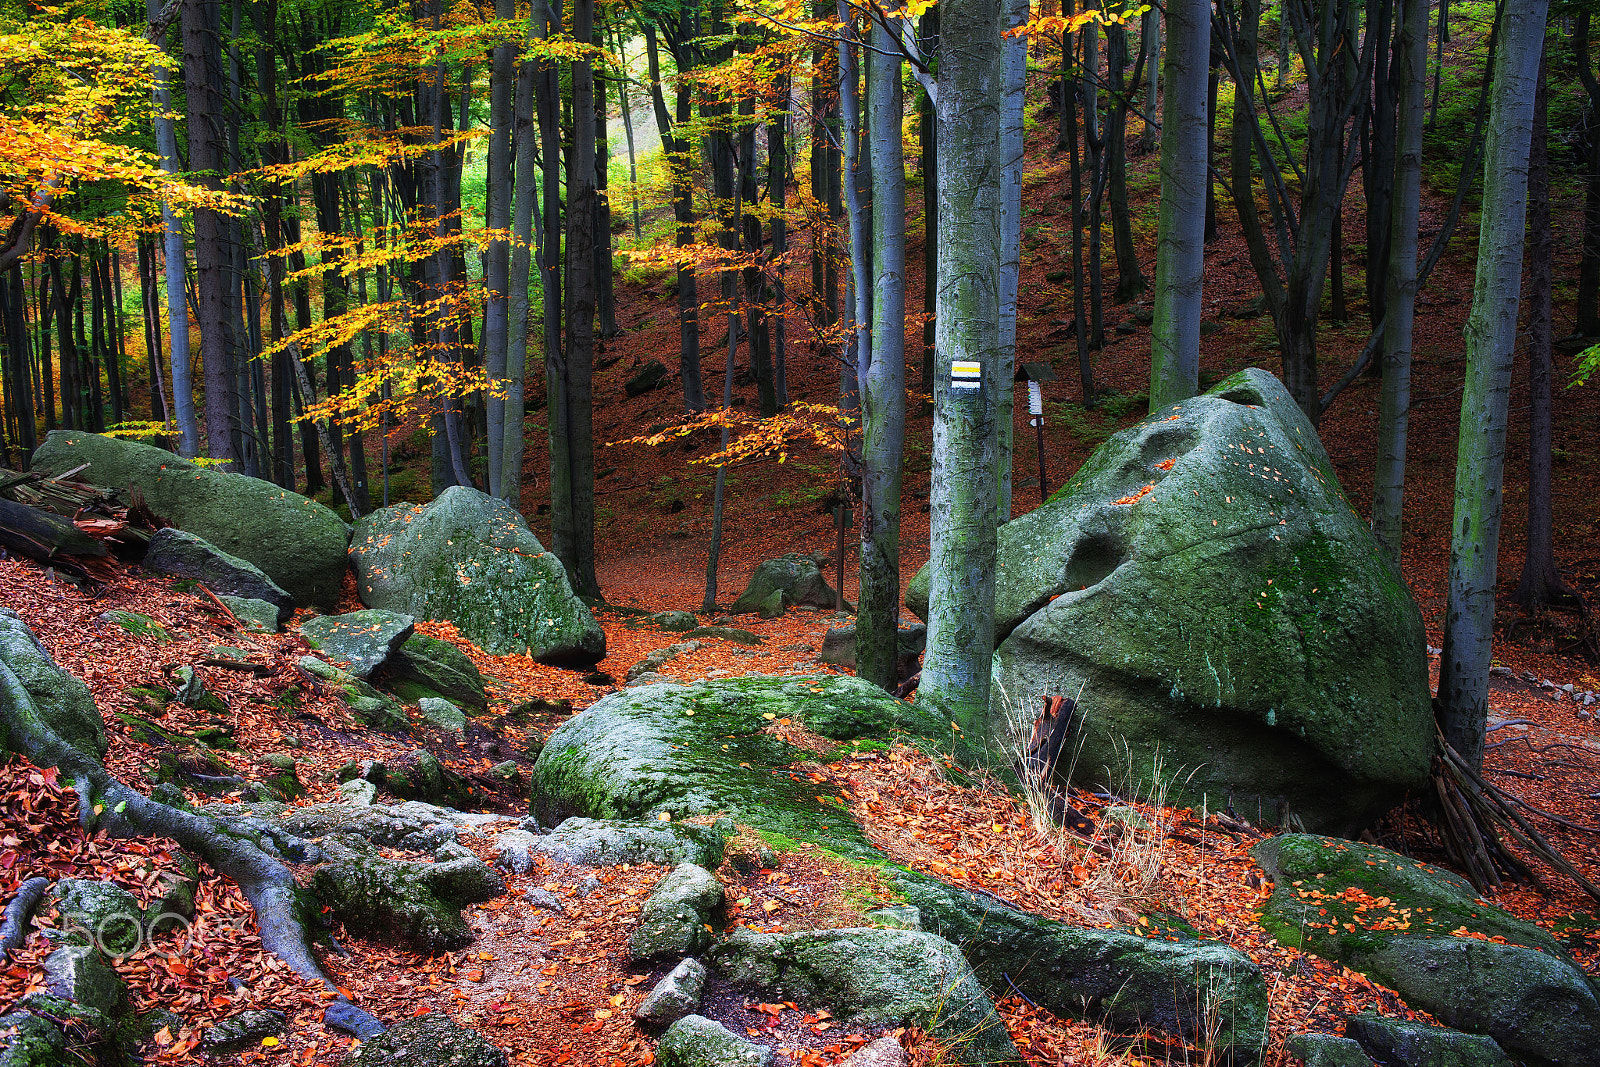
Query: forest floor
[[556, 988]]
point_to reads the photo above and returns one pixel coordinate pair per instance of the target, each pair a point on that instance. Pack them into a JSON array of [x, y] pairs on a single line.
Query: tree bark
[[1400, 293], [956, 666], [497, 265], [1491, 336], [883, 400], [1014, 75], [1180, 241], [173, 255]]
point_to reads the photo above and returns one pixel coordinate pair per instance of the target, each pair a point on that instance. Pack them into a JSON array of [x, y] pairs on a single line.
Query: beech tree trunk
[[956, 665], [1180, 241], [1491, 337]]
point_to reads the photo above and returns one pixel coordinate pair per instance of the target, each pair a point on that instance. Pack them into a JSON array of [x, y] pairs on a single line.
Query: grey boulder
[[1204, 588], [470, 559], [676, 995], [1407, 1044], [675, 919], [695, 1041], [358, 641], [789, 580], [297, 542], [186, 555], [431, 1040], [607, 843]]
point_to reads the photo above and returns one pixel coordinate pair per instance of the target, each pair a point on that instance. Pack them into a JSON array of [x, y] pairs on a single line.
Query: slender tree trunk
[[1014, 72], [1150, 47], [1491, 336], [956, 666], [1588, 301], [679, 160], [777, 187], [1400, 296], [624, 87], [173, 255], [572, 519], [858, 202], [1541, 582], [604, 288], [1075, 186], [1180, 242], [497, 265], [1130, 277], [203, 76], [519, 275], [883, 400]]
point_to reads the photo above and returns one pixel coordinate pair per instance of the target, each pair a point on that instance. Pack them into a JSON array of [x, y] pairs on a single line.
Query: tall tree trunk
[[1541, 582], [777, 187], [604, 287], [1491, 337], [1400, 294], [858, 202], [1080, 320], [173, 255], [572, 518], [883, 400], [928, 128], [1014, 75], [519, 276], [680, 163], [956, 666], [1130, 277], [1180, 241], [1588, 301], [755, 280], [202, 71], [497, 265], [1150, 48]]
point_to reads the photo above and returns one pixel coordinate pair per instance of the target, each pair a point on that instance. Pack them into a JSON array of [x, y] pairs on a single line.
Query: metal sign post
[[1036, 411]]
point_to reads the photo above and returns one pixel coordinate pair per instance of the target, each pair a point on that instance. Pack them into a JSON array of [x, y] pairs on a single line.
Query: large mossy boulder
[[417, 904], [1204, 589], [427, 667], [298, 543], [470, 559], [789, 580], [64, 705], [712, 749], [1426, 934], [874, 978]]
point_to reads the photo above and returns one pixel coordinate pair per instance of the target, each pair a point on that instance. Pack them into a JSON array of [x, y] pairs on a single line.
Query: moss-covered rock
[[1411, 1044], [695, 1041], [101, 914], [185, 555], [64, 704], [604, 843], [368, 705], [80, 973], [1205, 585], [1326, 1050], [418, 775], [727, 633], [418, 904], [441, 713], [258, 616], [440, 668], [795, 579], [299, 543], [676, 918], [1200, 990], [708, 749], [26, 1040], [282, 775], [358, 642], [192, 693], [675, 622], [243, 1030], [1426, 934], [874, 978], [431, 1040], [471, 560]]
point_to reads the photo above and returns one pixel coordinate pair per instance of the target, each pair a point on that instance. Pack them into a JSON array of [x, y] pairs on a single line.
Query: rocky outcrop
[[1401, 922], [1204, 590], [470, 559], [298, 543]]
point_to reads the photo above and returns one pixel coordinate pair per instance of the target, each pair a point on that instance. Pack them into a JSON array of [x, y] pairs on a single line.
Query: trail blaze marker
[[965, 374]]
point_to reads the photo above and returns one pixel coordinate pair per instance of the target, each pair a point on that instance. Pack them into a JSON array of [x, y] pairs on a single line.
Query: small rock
[[599, 678], [674, 919], [431, 1040], [437, 711], [514, 850], [590, 884], [244, 1030], [362, 640], [676, 995], [343, 1015], [695, 1041], [884, 1052], [650, 376], [358, 791], [543, 898], [258, 616], [1326, 1050]]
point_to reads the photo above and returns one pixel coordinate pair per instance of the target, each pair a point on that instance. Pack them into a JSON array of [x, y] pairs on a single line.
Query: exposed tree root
[[1473, 813], [105, 802]]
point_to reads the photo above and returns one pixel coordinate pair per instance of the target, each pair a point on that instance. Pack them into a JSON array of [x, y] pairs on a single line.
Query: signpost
[[1036, 413]]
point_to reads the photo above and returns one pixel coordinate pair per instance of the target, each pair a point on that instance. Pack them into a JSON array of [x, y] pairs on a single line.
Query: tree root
[[1472, 815], [105, 802]]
